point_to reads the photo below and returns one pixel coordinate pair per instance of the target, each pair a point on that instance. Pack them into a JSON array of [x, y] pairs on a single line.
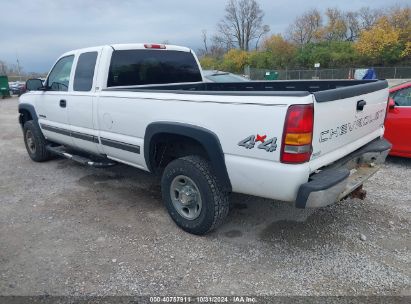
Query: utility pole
[[18, 66]]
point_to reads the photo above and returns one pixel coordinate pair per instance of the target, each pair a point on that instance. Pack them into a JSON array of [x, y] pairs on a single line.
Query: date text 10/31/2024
[[203, 299]]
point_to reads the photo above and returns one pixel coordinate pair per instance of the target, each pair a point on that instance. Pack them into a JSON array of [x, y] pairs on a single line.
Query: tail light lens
[[298, 134]]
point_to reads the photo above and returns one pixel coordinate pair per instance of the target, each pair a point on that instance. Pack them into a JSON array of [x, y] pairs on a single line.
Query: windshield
[[225, 77]]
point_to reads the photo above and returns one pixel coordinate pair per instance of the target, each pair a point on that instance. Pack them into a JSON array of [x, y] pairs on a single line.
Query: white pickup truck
[[146, 105]]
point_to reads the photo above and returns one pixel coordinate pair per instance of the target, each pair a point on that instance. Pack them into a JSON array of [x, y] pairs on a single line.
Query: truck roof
[[132, 46], [136, 46]]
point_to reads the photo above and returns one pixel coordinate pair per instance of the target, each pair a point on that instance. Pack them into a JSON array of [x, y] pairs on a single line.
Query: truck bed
[[323, 90]]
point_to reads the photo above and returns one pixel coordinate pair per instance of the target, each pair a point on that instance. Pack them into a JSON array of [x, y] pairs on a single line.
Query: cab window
[[59, 76], [83, 78]]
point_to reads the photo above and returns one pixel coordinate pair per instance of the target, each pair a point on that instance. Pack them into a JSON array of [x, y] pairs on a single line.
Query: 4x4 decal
[[269, 145]]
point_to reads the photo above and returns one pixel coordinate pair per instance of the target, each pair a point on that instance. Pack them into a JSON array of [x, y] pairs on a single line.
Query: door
[[52, 103], [80, 109], [398, 123]]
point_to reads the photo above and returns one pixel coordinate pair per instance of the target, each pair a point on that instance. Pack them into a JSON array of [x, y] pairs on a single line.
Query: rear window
[[140, 67]]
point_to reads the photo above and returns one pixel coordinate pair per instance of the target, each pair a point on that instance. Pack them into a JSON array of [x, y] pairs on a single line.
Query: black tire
[[215, 204], [35, 142]]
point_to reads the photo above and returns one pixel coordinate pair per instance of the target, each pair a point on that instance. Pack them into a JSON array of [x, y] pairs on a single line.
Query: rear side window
[[140, 67], [83, 78]]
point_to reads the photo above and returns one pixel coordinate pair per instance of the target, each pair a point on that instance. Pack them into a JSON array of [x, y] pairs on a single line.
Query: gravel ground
[[66, 229]]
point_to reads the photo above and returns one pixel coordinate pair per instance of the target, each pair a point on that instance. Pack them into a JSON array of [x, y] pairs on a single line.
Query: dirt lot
[[72, 230]]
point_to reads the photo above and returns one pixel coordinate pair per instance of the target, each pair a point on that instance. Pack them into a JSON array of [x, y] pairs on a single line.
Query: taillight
[[298, 134], [154, 46]]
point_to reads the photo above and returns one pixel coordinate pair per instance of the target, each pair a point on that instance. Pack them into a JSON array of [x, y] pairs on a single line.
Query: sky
[[39, 31]]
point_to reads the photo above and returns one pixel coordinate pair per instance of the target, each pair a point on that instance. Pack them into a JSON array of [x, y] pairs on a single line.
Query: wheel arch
[[27, 112], [206, 138]]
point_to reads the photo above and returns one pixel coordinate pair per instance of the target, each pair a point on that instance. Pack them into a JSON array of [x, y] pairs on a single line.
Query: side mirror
[[34, 85], [391, 104]]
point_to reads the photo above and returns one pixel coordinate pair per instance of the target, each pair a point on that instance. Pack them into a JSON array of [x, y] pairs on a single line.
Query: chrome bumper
[[338, 180]]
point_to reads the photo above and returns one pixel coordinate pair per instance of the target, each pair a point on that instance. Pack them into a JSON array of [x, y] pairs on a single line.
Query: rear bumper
[[344, 176]]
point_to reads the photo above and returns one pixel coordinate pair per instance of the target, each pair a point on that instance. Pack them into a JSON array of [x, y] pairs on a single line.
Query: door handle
[[361, 104], [63, 103]]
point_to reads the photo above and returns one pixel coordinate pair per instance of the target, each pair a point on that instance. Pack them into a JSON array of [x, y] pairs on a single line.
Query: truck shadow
[[277, 225], [251, 219], [129, 183], [273, 222]]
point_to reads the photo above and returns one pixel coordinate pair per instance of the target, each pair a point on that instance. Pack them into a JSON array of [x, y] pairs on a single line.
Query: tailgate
[[345, 119]]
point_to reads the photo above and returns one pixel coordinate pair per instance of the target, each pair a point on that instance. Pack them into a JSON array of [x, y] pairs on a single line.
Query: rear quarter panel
[[232, 118]]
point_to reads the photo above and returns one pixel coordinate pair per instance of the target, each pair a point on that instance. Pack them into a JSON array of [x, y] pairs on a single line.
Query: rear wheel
[[192, 195], [35, 142]]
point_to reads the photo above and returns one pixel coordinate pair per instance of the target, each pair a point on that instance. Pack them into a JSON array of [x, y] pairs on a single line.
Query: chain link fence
[[13, 78], [23, 78], [341, 73]]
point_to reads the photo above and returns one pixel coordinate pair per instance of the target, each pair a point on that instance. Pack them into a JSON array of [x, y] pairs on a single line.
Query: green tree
[[260, 59], [209, 63], [328, 54], [235, 60], [282, 52]]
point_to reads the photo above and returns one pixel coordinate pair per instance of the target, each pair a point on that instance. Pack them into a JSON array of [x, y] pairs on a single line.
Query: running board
[[101, 162]]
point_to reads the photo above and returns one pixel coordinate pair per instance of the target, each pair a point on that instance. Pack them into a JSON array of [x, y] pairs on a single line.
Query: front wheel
[[35, 142], [193, 197]]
